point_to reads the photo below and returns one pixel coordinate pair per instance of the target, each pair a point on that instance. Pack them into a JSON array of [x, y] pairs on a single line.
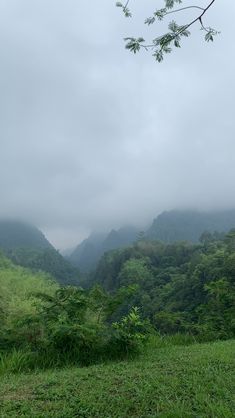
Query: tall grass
[[19, 361], [17, 286]]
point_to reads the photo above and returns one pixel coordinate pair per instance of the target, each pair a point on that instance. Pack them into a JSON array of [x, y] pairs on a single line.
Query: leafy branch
[[164, 44]]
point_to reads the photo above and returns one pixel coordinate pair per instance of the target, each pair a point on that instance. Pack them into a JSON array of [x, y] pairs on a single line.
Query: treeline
[[181, 287]]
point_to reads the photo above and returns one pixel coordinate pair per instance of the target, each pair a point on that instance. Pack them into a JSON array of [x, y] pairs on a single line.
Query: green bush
[[55, 326], [129, 334]]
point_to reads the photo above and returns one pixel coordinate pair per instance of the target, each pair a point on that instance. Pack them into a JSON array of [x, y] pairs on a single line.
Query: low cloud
[[93, 137]]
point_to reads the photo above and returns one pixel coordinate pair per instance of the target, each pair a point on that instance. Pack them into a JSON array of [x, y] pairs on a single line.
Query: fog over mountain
[[94, 138]]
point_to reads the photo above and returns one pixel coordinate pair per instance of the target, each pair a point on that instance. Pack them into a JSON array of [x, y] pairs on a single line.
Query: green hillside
[[26, 246], [167, 381], [17, 288], [48, 260]]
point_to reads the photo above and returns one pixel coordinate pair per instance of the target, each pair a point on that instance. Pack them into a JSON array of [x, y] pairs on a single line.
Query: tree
[[164, 43]]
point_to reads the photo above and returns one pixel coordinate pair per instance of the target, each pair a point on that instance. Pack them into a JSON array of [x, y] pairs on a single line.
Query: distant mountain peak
[[16, 233], [88, 253]]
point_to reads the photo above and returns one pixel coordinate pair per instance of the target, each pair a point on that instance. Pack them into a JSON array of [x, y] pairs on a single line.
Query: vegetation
[[168, 227], [44, 325], [186, 225], [163, 44], [47, 260], [26, 246], [167, 381], [147, 288], [127, 344], [180, 287], [87, 254]]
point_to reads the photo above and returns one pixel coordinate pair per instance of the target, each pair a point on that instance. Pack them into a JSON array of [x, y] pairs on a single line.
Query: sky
[[93, 137]]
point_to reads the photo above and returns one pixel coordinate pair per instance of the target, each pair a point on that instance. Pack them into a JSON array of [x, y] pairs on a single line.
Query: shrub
[[129, 334]]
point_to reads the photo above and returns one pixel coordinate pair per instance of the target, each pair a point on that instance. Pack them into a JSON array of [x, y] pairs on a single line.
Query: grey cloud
[[93, 137]]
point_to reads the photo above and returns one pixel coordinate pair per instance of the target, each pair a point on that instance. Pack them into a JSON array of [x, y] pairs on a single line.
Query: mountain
[[15, 234], [179, 225], [172, 226], [26, 246], [87, 254]]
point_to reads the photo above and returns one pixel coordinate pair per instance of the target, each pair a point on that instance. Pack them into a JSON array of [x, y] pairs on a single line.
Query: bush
[[71, 326], [129, 334]]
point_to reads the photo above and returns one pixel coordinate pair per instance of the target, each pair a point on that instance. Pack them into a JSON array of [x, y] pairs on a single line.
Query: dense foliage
[[182, 287], [52, 325]]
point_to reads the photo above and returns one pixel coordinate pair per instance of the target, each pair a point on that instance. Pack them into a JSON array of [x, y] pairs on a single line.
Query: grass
[[17, 286], [167, 381]]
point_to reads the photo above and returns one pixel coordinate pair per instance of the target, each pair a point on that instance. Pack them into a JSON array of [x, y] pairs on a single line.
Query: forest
[[148, 288]]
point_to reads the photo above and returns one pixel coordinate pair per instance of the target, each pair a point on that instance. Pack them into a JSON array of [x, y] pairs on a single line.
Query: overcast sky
[[94, 137]]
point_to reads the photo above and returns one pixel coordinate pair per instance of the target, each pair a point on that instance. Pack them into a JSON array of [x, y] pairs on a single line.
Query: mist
[[93, 137]]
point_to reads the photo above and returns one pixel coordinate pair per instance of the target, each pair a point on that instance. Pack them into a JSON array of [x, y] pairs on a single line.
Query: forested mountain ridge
[[179, 225], [26, 246], [168, 227], [15, 234], [87, 254]]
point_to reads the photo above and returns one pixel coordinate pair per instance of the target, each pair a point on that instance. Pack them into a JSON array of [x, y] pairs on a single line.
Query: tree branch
[[163, 43]]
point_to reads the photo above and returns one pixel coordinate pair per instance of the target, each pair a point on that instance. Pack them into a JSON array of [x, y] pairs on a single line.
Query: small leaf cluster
[[165, 42], [134, 44], [210, 34], [160, 13], [124, 7]]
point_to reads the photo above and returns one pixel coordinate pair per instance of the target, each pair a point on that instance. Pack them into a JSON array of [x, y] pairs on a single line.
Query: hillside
[[181, 287], [48, 260], [26, 246], [166, 382], [17, 234], [189, 225], [168, 227], [17, 288], [87, 254]]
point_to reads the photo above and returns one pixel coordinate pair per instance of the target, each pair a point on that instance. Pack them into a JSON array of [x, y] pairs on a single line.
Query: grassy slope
[[172, 381], [17, 286]]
